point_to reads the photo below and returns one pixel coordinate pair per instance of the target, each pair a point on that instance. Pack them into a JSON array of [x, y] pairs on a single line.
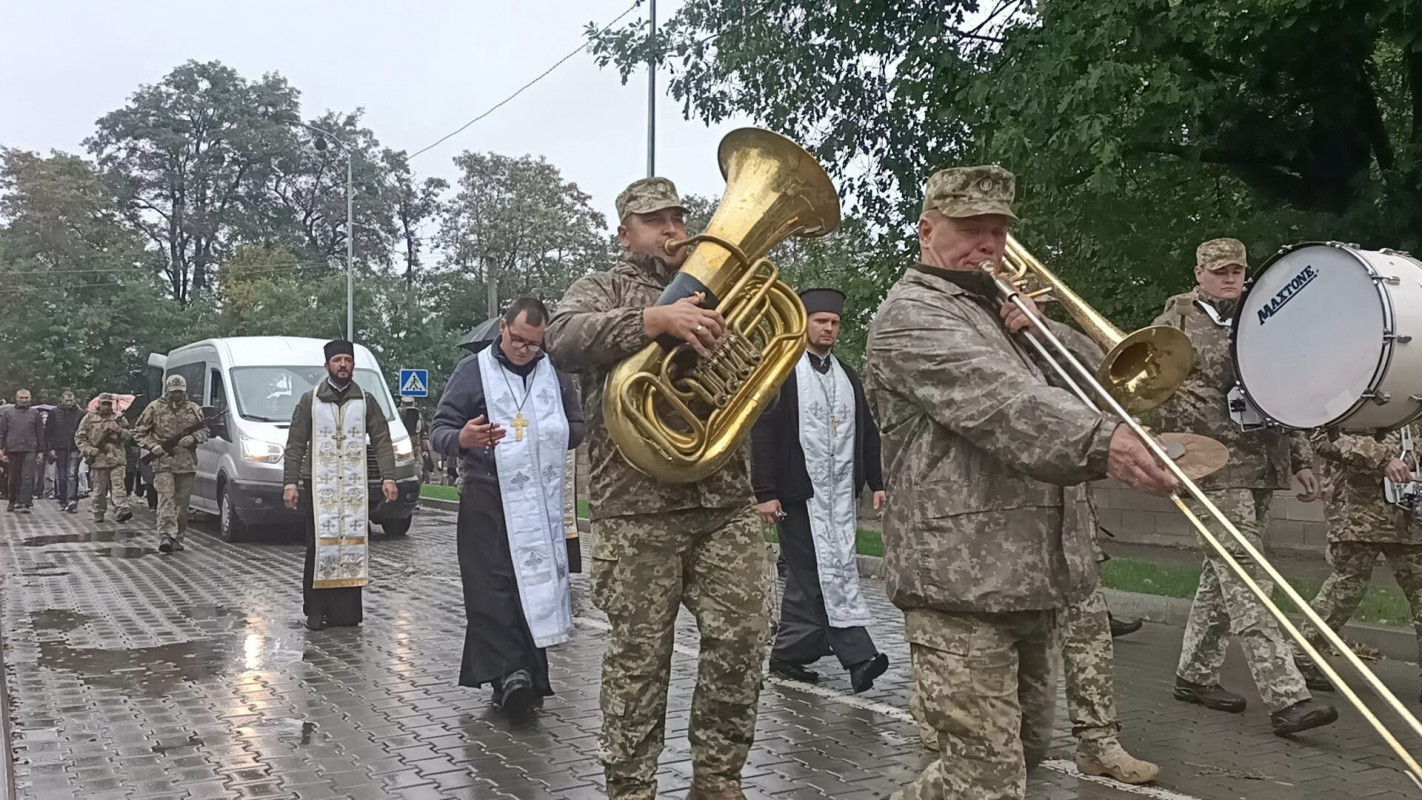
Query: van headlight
[[405, 450], [260, 451]]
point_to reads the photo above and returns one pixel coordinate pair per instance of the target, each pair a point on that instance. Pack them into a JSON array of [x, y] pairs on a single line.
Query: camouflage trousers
[[174, 490], [1352, 570], [643, 569], [1088, 664], [106, 482], [1224, 606], [986, 684]]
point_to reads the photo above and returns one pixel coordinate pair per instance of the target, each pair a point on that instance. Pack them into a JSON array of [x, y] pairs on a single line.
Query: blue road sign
[[414, 383]]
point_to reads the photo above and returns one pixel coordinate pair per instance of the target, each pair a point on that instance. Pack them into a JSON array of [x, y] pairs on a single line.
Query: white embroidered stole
[[339, 492], [531, 461], [827, 420]]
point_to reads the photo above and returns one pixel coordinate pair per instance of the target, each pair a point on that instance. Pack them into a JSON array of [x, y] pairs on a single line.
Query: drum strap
[[1214, 315]]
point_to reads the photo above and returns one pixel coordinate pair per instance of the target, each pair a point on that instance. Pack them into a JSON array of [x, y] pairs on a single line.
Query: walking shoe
[[516, 692], [124, 515], [315, 622], [1123, 627], [22, 510], [793, 672], [178, 546], [1312, 675], [166, 546], [1301, 716], [862, 675], [1216, 697], [98, 519], [72, 508], [1110, 759]]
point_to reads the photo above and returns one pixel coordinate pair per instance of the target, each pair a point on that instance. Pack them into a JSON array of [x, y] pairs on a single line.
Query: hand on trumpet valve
[[1132, 463], [1013, 318]]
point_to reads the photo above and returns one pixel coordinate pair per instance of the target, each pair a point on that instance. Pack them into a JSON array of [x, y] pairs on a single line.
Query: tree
[[515, 228], [80, 306], [1137, 127], [187, 158]]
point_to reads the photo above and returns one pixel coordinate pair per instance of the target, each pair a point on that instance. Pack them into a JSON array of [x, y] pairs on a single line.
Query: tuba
[[679, 417]]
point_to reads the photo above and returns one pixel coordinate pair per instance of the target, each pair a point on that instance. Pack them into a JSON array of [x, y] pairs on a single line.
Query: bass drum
[[1325, 338]]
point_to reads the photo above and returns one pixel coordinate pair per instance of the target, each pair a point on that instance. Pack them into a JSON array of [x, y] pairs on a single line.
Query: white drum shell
[[1330, 342]]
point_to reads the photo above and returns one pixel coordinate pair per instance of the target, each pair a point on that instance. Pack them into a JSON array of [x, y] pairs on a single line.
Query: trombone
[[1143, 380]]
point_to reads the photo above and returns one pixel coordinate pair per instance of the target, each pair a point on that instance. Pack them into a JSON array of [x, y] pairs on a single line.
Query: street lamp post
[[323, 135]]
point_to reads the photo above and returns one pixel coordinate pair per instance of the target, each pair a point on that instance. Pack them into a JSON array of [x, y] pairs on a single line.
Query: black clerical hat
[[831, 300], [339, 347]]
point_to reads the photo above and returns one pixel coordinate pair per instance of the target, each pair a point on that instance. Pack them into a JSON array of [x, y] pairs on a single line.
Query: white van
[[258, 380]]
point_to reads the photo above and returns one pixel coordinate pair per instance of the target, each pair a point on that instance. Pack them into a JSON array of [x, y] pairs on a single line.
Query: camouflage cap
[[1216, 254], [106, 397], [646, 196], [970, 191], [175, 383]]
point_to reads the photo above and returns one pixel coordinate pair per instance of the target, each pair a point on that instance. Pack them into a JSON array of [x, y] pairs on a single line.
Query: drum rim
[[1384, 363]]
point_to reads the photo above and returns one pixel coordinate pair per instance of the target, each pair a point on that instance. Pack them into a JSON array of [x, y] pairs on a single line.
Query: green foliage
[[1137, 128]]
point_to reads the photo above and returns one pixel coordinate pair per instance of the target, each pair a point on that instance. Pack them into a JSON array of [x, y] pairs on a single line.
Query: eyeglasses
[[520, 343]]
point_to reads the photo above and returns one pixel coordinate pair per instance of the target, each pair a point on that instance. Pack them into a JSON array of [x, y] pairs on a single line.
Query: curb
[[1399, 644], [584, 527]]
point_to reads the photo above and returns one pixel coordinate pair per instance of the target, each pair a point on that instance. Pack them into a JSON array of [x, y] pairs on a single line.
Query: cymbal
[[1195, 455]]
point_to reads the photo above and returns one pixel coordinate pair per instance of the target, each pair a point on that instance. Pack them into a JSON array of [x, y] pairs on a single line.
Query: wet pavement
[[133, 674]]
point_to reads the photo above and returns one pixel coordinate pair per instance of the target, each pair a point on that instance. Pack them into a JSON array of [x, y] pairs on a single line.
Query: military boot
[[1301, 716], [1107, 757], [1214, 697], [1312, 675]]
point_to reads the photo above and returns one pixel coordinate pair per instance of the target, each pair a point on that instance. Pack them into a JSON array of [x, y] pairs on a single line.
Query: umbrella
[[121, 402], [481, 336]]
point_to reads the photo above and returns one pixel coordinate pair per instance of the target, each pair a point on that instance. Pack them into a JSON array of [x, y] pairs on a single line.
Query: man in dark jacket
[[22, 446], [813, 452], [59, 432]]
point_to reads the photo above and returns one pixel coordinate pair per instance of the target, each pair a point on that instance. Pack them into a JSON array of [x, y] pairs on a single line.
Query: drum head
[[1309, 336]]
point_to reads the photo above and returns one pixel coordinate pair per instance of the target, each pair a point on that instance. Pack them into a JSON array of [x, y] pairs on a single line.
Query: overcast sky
[[419, 68]]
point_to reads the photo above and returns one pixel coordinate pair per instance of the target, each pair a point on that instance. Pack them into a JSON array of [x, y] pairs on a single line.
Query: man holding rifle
[[102, 439], [169, 431]]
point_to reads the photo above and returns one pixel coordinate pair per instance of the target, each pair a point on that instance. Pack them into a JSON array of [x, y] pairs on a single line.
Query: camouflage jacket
[[1258, 459], [1357, 510], [161, 421], [103, 441], [977, 448], [597, 325]]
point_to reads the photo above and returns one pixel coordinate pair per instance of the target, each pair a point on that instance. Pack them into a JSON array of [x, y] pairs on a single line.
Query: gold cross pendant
[[519, 423]]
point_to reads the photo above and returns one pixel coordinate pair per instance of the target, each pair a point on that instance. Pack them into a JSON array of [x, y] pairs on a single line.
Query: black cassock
[[497, 641], [779, 472]]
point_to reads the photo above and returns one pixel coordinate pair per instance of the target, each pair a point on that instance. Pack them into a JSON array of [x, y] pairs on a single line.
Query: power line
[[141, 271], [586, 41]]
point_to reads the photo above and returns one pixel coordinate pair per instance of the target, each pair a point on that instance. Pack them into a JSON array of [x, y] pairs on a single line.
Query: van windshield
[[269, 394]]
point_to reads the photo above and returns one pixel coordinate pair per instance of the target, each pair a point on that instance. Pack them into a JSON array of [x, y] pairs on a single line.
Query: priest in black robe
[[808, 469], [499, 648]]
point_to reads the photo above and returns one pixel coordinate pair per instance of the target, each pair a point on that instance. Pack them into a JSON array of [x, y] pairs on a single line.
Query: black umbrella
[[481, 336]]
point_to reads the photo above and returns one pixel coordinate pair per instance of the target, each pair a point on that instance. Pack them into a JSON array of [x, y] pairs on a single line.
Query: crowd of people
[[981, 462]]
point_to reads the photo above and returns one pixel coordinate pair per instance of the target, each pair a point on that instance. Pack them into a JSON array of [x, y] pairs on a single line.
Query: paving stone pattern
[[136, 675]]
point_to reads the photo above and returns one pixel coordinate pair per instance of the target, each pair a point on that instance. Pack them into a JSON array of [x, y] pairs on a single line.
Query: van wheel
[[229, 527], [397, 527]]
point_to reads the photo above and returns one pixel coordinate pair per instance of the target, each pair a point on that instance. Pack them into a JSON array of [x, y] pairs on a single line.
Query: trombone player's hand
[[1012, 317], [1132, 463]]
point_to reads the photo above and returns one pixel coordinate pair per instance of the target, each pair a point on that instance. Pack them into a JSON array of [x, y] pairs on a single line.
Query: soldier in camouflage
[[657, 546], [169, 430], [989, 533], [1361, 525], [1261, 461], [102, 438]]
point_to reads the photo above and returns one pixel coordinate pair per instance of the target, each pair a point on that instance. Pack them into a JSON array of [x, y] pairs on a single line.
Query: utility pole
[[652, 99]]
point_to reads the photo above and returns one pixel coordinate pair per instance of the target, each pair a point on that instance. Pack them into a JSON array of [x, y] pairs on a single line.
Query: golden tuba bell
[[1141, 369], [679, 417]]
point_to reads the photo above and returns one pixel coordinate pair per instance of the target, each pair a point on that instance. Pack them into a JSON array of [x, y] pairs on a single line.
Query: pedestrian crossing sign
[[414, 383]]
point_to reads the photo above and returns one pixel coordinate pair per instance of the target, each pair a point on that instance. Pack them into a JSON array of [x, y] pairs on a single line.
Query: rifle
[[172, 441]]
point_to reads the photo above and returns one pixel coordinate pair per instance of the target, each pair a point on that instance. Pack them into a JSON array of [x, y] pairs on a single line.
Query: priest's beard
[[338, 381]]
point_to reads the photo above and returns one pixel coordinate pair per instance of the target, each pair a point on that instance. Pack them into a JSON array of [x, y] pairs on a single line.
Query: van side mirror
[[217, 423]]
